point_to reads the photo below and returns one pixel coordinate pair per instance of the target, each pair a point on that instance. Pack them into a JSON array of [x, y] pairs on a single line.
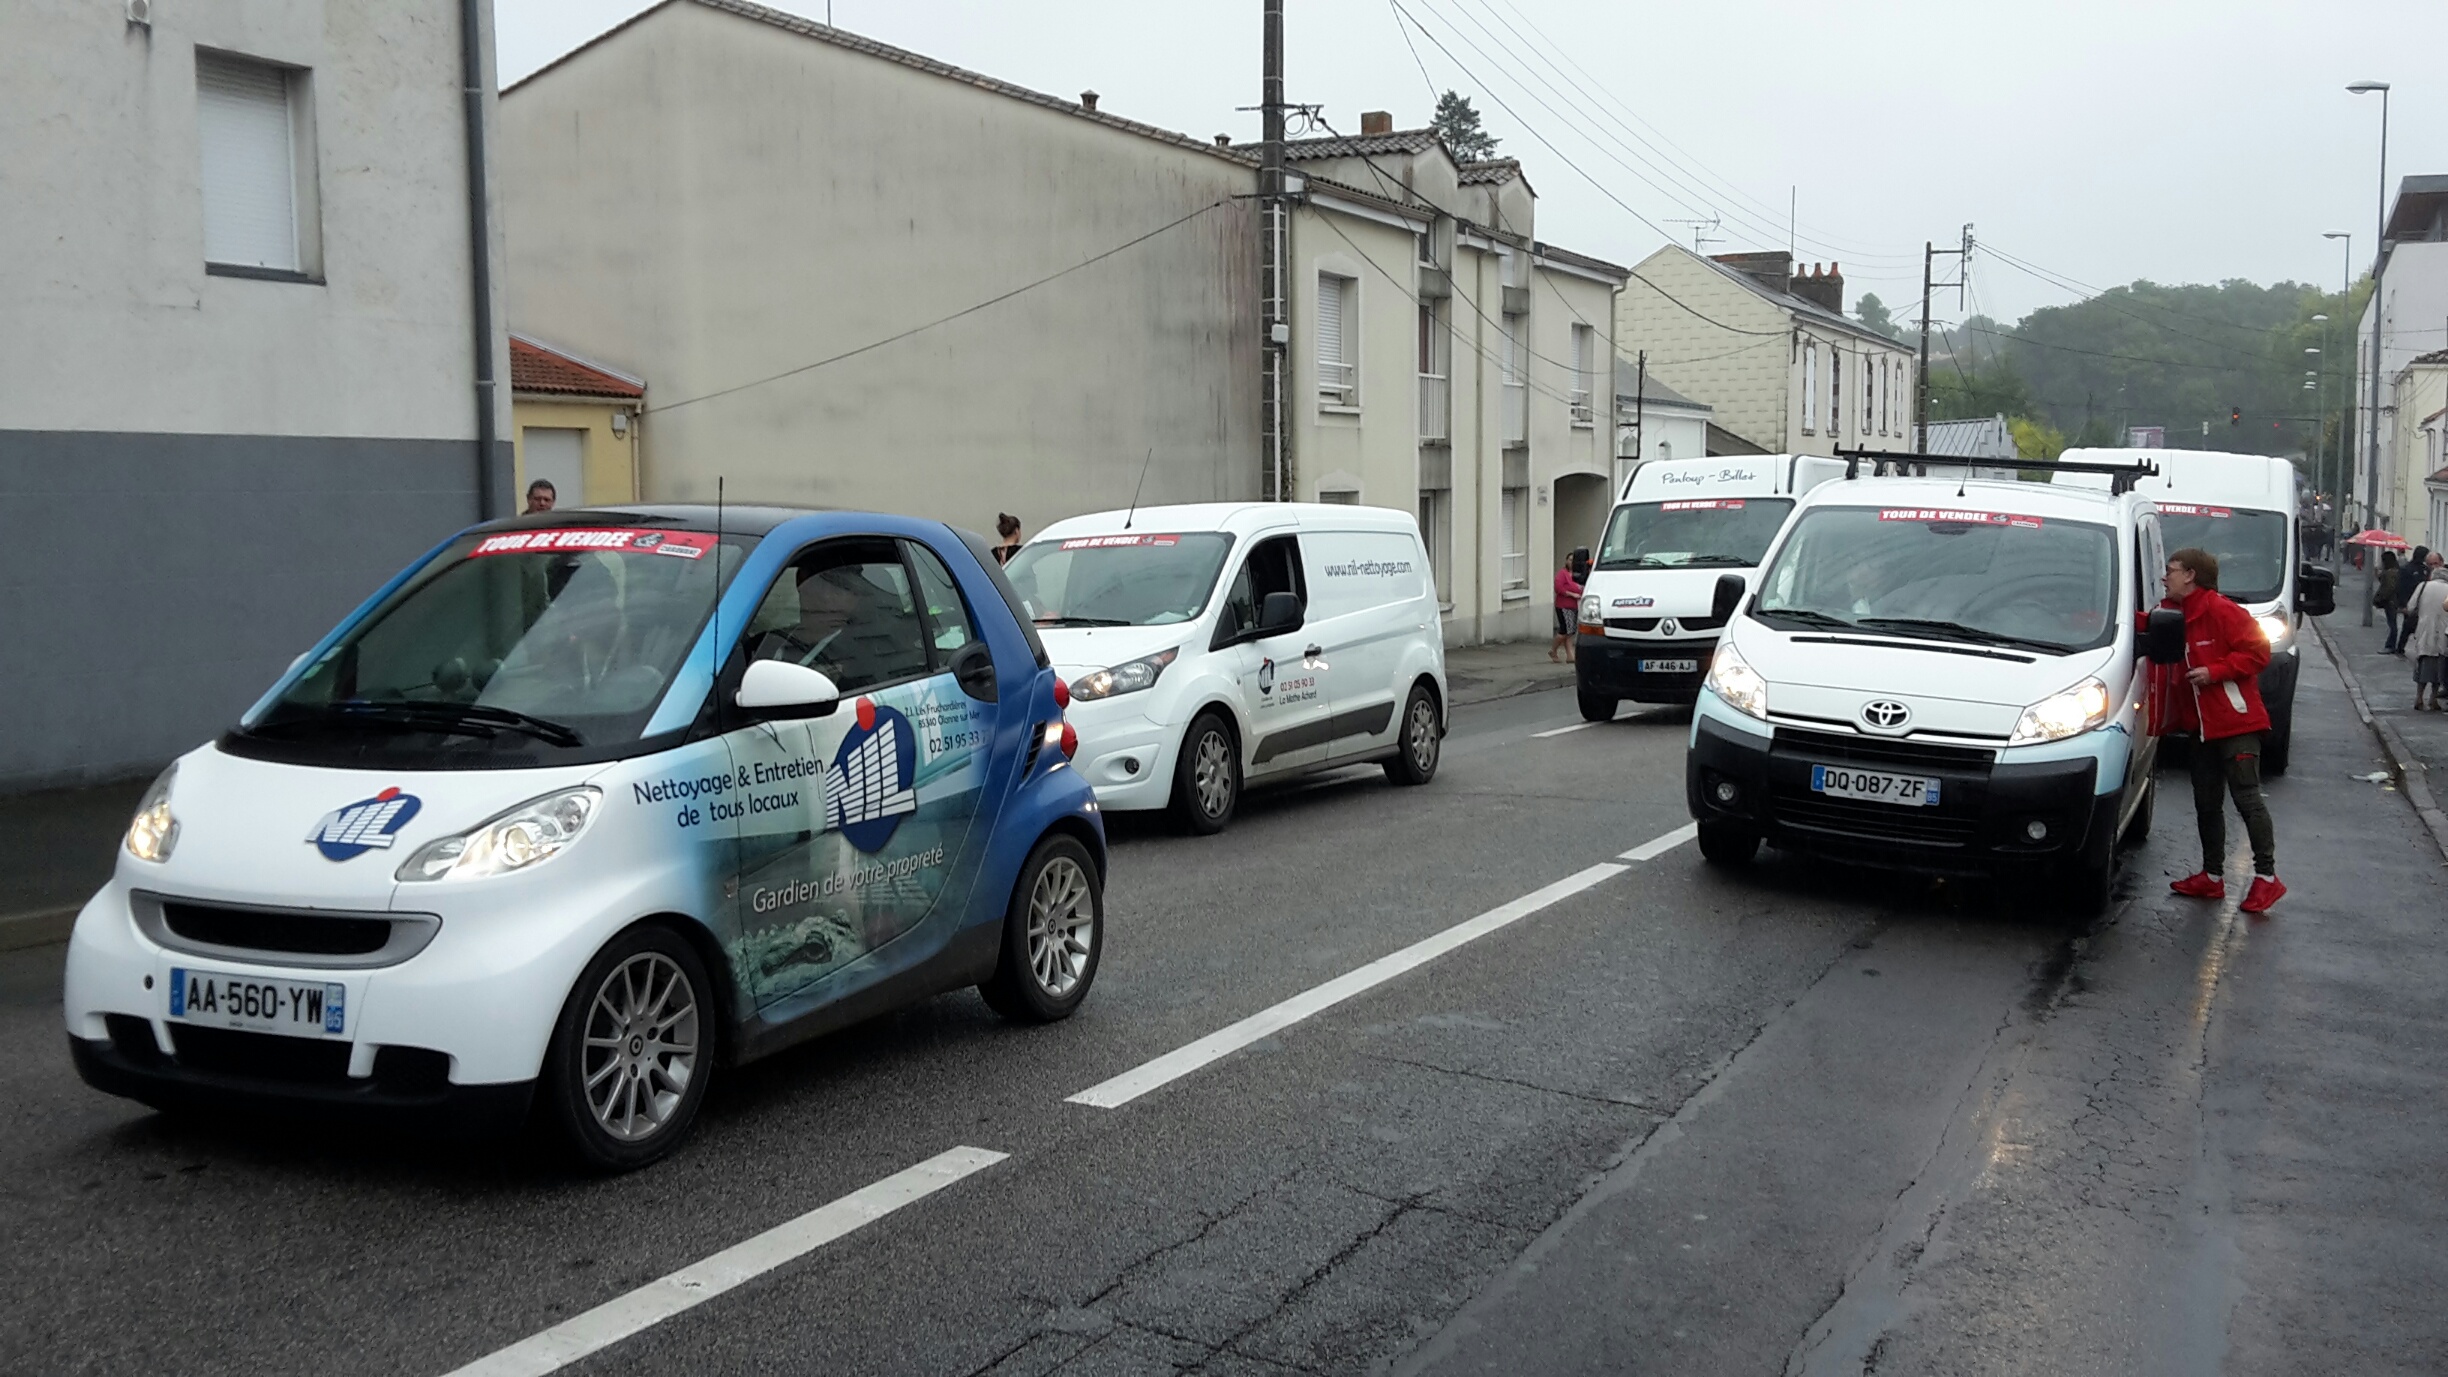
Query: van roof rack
[[2122, 476]]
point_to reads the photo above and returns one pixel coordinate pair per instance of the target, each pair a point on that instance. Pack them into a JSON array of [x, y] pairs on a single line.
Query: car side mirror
[[780, 689], [2315, 591], [1730, 590], [2163, 636], [973, 668], [1280, 612]]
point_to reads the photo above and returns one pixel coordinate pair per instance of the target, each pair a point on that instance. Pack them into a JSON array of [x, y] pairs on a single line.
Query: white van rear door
[[1366, 611]]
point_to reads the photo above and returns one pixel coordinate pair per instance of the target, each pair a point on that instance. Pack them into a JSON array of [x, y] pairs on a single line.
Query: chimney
[[1376, 122], [1771, 270], [1823, 288], [1088, 100], [1223, 140]]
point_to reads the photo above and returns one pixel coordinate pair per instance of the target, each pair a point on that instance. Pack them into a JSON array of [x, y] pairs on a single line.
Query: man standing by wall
[[2225, 653]]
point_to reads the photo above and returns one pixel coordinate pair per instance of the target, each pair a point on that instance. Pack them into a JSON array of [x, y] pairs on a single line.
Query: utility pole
[[1929, 256], [2378, 308], [1640, 420], [1275, 230]]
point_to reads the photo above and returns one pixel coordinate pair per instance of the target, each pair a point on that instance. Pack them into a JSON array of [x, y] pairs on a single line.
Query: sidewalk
[[1481, 673], [2416, 743], [56, 848]]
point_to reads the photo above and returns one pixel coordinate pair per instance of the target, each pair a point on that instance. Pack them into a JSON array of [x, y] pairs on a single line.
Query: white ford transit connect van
[[1940, 676], [2242, 509], [1214, 645], [1678, 525]]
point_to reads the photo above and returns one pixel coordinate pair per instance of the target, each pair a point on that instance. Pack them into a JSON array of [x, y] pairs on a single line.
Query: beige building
[[862, 278], [2408, 496], [1447, 362], [575, 424], [1770, 348]]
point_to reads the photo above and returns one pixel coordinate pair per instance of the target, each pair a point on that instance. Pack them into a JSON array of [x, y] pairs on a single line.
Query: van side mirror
[[1730, 590], [2163, 636], [2315, 591], [780, 689], [1280, 612]]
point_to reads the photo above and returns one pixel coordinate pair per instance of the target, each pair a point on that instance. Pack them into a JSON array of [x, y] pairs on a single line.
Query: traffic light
[[2235, 415]]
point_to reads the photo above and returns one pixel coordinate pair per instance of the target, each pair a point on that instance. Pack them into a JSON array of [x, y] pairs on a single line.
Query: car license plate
[[258, 1004], [1907, 791], [1669, 666]]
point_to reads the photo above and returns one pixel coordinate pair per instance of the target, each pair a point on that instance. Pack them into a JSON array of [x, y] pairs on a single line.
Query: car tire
[[2275, 746], [632, 1052], [1727, 844], [1597, 707], [1053, 934], [1207, 776], [2138, 831], [1419, 739]]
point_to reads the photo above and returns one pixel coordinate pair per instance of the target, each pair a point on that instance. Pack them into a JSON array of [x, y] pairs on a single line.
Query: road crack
[[1614, 1100]]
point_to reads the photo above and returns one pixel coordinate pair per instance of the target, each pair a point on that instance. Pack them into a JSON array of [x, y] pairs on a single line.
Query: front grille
[[258, 930], [1703, 623], [1831, 747], [261, 1056], [1632, 623], [1872, 821]]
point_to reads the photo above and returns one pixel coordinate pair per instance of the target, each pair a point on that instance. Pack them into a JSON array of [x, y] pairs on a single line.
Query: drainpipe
[[1479, 445], [480, 254]]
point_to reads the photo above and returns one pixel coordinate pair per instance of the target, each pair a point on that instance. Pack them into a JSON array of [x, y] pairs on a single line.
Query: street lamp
[[2371, 481], [2344, 491], [2320, 441]]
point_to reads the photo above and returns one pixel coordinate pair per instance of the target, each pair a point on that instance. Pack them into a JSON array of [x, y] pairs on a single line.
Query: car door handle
[[1312, 652]]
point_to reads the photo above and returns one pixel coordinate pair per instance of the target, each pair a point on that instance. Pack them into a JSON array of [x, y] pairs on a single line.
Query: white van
[[1213, 645], [1940, 676], [1646, 632], [2242, 509]]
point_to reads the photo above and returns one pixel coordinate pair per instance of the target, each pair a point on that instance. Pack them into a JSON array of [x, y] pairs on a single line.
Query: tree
[[1874, 314], [2036, 439], [1459, 124]]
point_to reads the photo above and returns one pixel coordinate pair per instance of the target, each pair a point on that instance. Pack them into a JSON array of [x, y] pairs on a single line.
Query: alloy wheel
[[1061, 926], [1421, 735], [641, 1046], [1212, 774]]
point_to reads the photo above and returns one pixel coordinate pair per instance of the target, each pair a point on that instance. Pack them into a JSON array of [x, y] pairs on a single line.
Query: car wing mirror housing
[[2315, 591], [1280, 612], [780, 689], [1730, 590], [2163, 636]]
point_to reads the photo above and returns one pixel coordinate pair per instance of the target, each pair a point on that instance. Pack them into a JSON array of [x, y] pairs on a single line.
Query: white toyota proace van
[[1214, 645], [1678, 526]]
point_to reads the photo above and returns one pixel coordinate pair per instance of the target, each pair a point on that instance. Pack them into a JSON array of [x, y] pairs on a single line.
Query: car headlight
[[1590, 611], [1126, 678], [530, 834], [1732, 679], [153, 831], [2060, 715], [2275, 629]]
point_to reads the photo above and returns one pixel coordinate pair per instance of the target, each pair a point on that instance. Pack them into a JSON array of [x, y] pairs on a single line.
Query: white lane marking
[[1658, 846], [659, 1300], [1223, 1042], [1575, 727]]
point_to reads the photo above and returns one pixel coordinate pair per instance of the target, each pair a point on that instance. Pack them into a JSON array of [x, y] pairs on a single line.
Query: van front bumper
[[404, 1092], [1983, 823], [1611, 667]]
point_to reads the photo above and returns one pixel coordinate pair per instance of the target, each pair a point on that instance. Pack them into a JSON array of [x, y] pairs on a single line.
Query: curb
[[2412, 774], [40, 928]]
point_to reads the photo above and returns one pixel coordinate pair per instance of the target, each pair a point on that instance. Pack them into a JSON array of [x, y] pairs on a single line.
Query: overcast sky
[[2100, 140]]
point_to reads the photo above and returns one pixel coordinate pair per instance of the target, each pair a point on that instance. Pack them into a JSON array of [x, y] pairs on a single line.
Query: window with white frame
[[1436, 515], [1871, 364], [252, 138], [1836, 365], [1584, 361], [1886, 390], [1337, 316], [1810, 387], [1513, 521]]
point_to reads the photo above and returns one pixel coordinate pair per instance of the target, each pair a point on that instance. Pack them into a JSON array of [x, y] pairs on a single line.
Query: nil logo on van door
[[369, 824]]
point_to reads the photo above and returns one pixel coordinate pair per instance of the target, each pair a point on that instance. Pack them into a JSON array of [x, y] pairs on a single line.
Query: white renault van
[[1214, 645], [1940, 676], [1678, 526], [2242, 509]]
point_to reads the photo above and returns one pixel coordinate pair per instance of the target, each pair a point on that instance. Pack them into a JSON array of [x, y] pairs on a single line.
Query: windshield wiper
[[1957, 631], [1083, 621], [473, 719], [1719, 559], [1807, 617]]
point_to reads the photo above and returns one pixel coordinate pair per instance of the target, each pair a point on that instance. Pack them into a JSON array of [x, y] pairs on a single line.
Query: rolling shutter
[[1330, 319], [249, 166]]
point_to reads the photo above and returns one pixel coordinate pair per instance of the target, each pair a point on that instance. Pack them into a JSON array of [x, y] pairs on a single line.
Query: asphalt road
[[1673, 1120]]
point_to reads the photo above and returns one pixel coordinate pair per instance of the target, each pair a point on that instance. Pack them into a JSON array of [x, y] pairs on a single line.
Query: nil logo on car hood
[[369, 824]]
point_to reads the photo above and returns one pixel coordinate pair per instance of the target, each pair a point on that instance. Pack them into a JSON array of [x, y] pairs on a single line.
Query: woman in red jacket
[[2225, 653]]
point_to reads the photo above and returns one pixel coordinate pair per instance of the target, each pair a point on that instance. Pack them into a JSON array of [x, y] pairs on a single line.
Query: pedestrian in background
[[1568, 600], [2384, 597], [2225, 652], [1008, 527], [540, 497], [2427, 636], [2419, 571]]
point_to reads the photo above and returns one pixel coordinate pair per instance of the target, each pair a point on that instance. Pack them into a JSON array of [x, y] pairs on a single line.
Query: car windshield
[[1725, 532], [508, 648], [2250, 547], [1982, 577], [1119, 580]]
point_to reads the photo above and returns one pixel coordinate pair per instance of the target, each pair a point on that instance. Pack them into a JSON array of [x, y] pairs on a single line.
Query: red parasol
[[2381, 540]]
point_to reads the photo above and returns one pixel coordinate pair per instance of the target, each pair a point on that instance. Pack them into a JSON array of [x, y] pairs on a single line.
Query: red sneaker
[[2201, 886], [2266, 890]]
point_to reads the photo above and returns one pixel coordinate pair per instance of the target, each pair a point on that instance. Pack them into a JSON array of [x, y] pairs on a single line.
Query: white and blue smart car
[[579, 807]]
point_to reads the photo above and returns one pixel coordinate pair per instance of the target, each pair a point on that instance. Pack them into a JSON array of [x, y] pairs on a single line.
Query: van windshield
[[549, 645], [1118, 580], [2250, 546], [1719, 532], [1981, 577]]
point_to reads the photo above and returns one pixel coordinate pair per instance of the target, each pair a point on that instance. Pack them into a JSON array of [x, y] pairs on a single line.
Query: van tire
[[1206, 807], [650, 952], [1728, 844], [1419, 735], [1039, 952], [1596, 707]]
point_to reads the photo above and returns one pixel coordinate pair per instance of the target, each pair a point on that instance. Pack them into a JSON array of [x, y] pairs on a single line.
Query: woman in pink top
[[1568, 601]]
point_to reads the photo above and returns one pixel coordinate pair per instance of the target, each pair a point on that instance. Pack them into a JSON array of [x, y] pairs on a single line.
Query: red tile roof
[[539, 368]]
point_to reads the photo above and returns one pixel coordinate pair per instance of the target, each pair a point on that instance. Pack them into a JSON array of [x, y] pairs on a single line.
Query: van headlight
[[1127, 678], [2275, 629], [1590, 611], [153, 831], [1732, 679], [2060, 715], [530, 834]]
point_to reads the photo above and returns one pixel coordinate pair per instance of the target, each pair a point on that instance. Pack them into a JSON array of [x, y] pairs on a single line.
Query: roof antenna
[[1134, 506], [716, 650], [1960, 482]]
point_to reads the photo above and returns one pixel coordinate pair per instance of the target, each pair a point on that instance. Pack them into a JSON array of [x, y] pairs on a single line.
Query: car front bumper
[[1125, 757], [1610, 667]]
